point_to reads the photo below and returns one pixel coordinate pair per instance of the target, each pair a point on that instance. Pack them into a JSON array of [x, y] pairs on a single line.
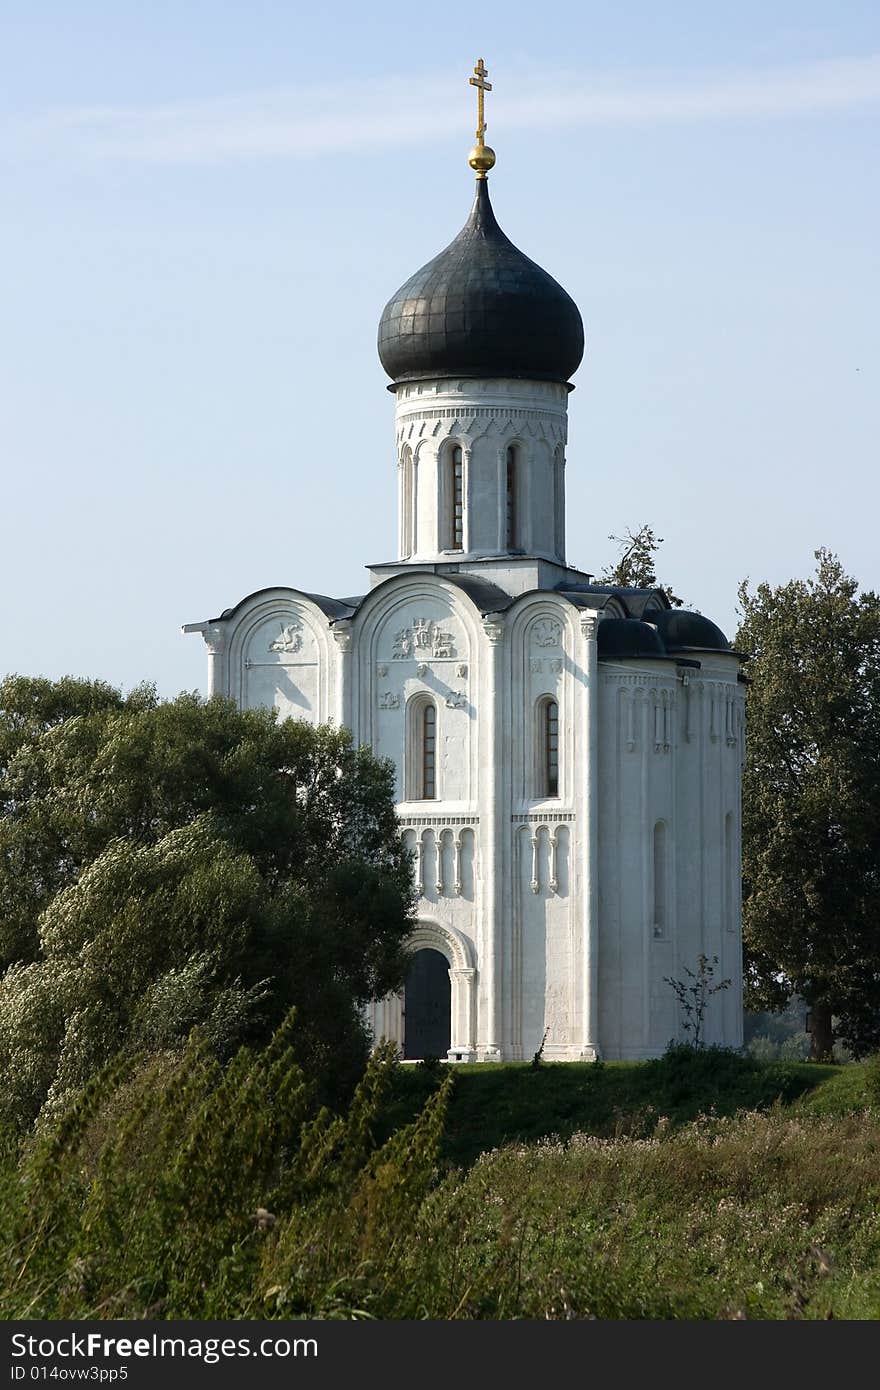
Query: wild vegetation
[[165, 865], [181, 1188]]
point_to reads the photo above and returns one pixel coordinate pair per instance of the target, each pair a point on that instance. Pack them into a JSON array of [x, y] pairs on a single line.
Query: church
[[568, 754]]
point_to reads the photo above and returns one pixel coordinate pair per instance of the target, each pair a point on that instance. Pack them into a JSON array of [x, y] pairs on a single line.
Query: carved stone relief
[[546, 632], [342, 634], [215, 639], [290, 639], [424, 638]]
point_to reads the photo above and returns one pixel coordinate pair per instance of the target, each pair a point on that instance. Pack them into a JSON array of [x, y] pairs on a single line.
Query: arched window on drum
[[452, 498], [511, 508]]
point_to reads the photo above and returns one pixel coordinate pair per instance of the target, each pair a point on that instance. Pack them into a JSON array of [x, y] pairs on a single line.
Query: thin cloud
[[312, 122]]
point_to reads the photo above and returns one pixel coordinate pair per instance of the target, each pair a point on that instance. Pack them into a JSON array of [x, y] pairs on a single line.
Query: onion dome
[[481, 309]]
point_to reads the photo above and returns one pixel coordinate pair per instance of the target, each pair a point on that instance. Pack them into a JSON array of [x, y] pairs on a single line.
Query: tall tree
[[165, 865], [811, 801], [635, 564]]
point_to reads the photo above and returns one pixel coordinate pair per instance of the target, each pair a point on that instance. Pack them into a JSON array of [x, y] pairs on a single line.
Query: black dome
[[628, 637], [682, 630], [481, 308]]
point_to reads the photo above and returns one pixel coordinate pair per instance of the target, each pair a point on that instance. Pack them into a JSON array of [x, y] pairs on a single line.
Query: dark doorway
[[427, 1006]]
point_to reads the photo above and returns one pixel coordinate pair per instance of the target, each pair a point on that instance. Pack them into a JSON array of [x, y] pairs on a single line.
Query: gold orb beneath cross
[[482, 159]]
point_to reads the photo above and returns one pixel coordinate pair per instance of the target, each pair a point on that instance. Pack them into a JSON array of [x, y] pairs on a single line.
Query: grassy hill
[[493, 1105], [701, 1185], [697, 1186]]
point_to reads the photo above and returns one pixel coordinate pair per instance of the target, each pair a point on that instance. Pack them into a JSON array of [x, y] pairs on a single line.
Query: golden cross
[[481, 72]]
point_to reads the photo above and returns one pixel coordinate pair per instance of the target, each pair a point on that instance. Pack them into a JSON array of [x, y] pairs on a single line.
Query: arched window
[[407, 505], [457, 498], [559, 500], [660, 879], [429, 752], [452, 522], [510, 523], [421, 750], [548, 749]]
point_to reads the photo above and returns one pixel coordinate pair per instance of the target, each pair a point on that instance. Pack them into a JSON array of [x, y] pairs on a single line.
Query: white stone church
[[568, 754]]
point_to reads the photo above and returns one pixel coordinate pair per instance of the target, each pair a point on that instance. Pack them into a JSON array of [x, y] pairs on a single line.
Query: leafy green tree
[[811, 802], [635, 565], [166, 865]]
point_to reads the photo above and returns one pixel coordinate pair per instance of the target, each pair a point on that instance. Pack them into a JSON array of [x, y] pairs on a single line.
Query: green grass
[[493, 1105], [702, 1185]]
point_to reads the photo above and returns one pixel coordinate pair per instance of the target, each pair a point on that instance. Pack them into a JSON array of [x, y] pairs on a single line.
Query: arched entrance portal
[[427, 1006]]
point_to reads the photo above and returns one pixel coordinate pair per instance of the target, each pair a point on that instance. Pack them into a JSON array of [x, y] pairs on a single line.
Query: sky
[[205, 206]]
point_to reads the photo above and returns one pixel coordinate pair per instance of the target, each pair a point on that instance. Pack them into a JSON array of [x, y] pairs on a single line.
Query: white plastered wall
[[670, 752]]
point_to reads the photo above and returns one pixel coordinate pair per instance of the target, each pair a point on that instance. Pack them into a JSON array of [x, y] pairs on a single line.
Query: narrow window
[[659, 879], [510, 522], [559, 500], [550, 750], [429, 752], [457, 499], [407, 503]]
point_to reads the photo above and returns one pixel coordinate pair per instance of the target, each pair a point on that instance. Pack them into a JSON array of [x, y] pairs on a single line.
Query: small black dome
[[681, 630], [627, 637], [481, 308]]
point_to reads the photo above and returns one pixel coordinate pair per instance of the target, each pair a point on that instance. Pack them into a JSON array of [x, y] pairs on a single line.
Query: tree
[[30, 709], [635, 563], [811, 802], [166, 865]]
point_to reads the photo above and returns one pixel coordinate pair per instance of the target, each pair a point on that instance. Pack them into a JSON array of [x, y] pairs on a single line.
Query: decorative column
[[341, 630], [501, 488], [462, 1046], [215, 641], [559, 458], [492, 824], [590, 848]]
